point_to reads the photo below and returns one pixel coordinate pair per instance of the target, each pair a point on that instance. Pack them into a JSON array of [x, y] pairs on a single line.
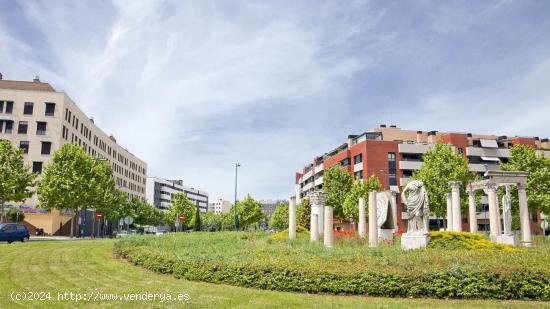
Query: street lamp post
[[235, 222]]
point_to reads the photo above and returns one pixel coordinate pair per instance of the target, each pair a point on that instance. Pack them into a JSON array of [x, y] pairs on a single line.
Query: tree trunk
[[2, 215], [72, 224]]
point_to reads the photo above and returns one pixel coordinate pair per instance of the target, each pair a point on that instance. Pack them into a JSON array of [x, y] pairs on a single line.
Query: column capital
[[317, 197], [455, 185], [522, 186], [490, 186]]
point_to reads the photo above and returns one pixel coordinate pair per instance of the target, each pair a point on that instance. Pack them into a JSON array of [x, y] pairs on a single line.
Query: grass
[[81, 266]]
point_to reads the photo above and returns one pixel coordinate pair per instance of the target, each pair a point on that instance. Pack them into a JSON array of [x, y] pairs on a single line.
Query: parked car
[[11, 232]]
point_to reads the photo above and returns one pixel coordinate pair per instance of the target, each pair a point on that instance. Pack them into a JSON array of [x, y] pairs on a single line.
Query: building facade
[[393, 154], [161, 191], [219, 206], [39, 120], [269, 206]]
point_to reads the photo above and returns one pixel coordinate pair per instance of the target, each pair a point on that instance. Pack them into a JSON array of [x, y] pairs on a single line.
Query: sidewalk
[[50, 238]]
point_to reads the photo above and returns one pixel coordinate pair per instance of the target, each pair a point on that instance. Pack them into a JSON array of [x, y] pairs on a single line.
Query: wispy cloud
[[193, 87]]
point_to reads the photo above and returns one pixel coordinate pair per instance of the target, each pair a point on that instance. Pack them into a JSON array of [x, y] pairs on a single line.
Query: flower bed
[[255, 260]]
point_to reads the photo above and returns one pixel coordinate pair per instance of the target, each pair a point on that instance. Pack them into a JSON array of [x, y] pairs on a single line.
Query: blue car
[[11, 232]]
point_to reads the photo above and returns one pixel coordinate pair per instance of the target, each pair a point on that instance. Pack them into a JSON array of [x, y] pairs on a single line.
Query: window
[[50, 109], [460, 150], [9, 107], [46, 148], [41, 128], [1, 107], [358, 175], [37, 167], [23, 126], [391, 156], [9, 126], [345, 162], [27, 109], [24, 145], [358, 158]]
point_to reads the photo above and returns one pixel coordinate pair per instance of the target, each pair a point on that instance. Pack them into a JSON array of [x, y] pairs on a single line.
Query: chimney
[[382, 125], [92, 119], [432, 138], [469, 136], [545, 143], [1, 76], [36, 79], [393, 126], [419, 136]]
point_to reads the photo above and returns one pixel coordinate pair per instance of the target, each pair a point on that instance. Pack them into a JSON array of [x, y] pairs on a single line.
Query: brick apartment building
[[393, 154]]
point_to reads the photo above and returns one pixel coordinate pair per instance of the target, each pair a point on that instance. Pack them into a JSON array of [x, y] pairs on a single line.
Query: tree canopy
[[249, 212], [360, 188], [181, 205], [16, 179], [279, 219], [441, 165], [337, 183]]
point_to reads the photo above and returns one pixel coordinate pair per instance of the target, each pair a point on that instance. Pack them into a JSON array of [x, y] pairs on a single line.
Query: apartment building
[[393, 154], [269, 206], [219, 206], [161, 191], [39, 120]]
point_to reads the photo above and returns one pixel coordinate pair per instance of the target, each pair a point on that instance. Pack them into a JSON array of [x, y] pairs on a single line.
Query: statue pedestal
[[385, 235], [414, 241], [507, 240]]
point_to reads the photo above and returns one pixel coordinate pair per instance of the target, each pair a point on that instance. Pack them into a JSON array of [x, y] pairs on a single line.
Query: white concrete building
[[161, 191], [219, 206]]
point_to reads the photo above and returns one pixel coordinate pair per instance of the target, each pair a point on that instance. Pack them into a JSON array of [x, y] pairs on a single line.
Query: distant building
[[219, 206], [160, 192], [269, 206]]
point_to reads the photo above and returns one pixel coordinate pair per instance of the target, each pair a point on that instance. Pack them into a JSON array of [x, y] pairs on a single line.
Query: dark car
[[11, 232]]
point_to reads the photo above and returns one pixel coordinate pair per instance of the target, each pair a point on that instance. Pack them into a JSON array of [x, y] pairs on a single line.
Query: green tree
[[197, 221], [249, 212], [15, 178], [525, 158], [441, 165], [144, 213], [303, 216], [279, 219], [211, 221], [15, 215], [181, 205], [69, 181], [360, 188], [337, 183]]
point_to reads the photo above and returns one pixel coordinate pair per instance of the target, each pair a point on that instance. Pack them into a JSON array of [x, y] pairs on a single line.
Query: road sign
[[128, 220], [98, 215], [181, 216], [544, 225]]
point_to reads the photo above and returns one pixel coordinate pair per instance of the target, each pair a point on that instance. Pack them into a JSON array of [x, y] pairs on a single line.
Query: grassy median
[[89, 266]]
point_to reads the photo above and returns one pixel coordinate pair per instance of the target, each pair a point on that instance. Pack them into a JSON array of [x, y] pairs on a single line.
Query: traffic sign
[[98, 215], [128, 220], [181, 216]]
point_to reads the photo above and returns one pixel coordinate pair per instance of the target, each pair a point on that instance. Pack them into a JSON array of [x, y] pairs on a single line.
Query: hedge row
[[454, 282]]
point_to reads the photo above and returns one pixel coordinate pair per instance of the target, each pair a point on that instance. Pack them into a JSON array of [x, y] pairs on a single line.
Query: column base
[[385, 235], [411, 241], [507, 240]]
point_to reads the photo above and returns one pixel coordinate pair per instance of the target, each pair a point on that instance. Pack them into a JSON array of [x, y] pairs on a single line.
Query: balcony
[[477, 167], [488, 152], [307, 187], [413, 148], [318, 181], [308, 174], [358, 167], [410, 165], [318, 168]]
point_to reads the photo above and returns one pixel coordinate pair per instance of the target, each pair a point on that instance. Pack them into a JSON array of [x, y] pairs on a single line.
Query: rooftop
[[35, 85]]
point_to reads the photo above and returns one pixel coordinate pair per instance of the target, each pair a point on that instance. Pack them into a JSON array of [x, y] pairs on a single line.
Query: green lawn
[[84, 266]]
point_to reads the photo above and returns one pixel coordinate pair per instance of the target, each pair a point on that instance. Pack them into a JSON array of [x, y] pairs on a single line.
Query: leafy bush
[[464, 240], [255, 260], [300, 230]]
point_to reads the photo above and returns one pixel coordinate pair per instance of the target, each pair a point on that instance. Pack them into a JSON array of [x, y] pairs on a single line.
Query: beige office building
[[39, 119]]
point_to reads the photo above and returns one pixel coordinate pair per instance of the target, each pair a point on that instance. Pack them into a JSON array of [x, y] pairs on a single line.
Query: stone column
[[449, 212], [455, 195], [394, 209], [292, 218], [499, 225], [362, 218], [314, 233], [373, 225], [472, 211], [493, 211], [317, 199], [328, 239], [524, 216]]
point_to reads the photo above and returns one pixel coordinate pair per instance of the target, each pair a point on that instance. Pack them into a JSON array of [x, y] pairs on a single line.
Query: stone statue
[[507, 212], [415, 197], [384, 210]]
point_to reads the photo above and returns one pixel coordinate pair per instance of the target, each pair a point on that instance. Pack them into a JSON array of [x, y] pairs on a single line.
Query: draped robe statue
[[507, 212], [415, 197]]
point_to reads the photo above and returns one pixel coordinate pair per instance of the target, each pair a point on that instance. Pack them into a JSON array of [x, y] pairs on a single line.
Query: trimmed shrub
[[254, 260], [300, 230], [465, 240]]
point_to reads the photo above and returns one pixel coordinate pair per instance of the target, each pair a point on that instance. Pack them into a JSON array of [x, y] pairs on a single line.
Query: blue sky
[[194, 86]]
